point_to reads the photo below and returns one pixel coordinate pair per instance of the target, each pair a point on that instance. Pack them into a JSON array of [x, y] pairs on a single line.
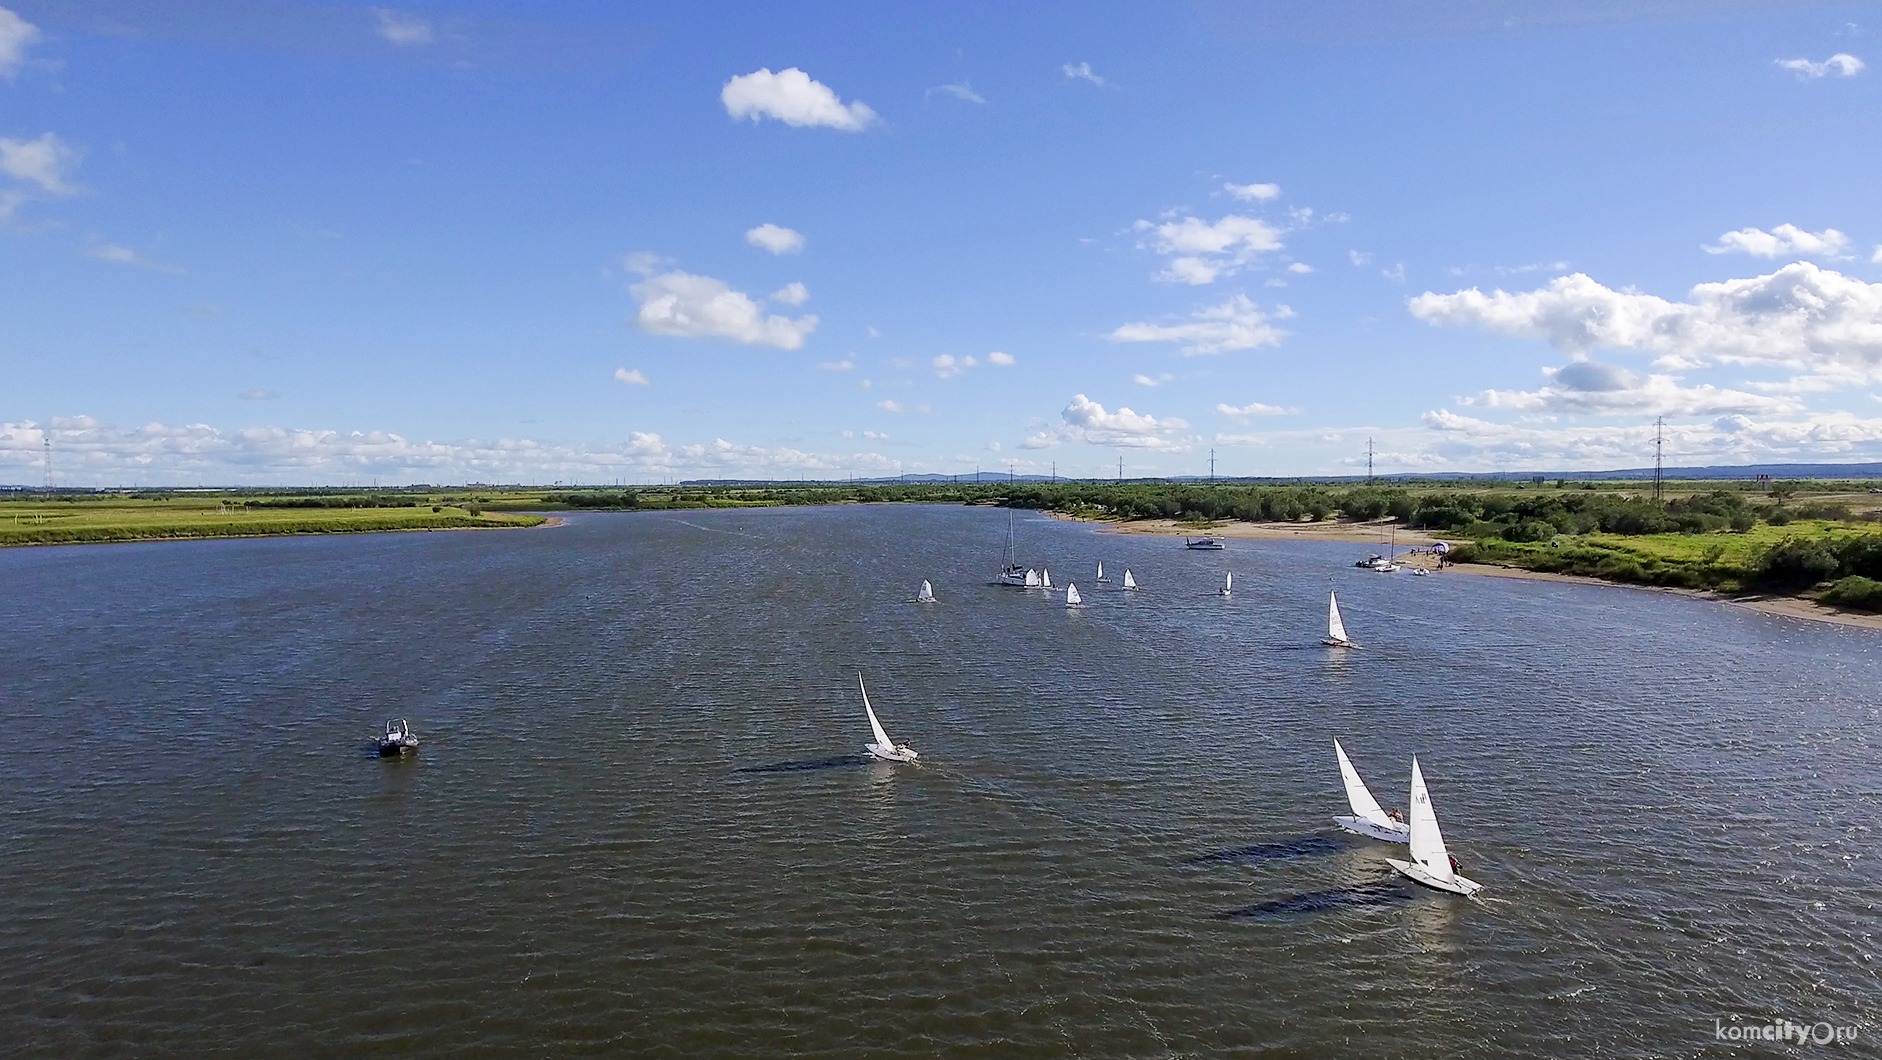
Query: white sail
[[1072, 599], [926, 595], [1032, 578], [882, 738], [1357, 794], [1336, 630], [1228, 583], [1129, 582], [1427, 843], [1100, 570], [1045, 578]]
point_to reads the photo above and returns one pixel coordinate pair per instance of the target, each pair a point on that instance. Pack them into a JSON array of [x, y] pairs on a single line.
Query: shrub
[[1529, 530], [1855, 591], [1794, 563]]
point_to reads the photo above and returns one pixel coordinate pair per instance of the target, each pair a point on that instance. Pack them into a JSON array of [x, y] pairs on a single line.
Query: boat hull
[[900, 754], [1417, 873], [1374, 830], [1331, 643], [394, 748]]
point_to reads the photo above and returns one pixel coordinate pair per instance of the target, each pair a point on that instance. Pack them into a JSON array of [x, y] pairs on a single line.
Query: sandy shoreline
[[1381, 532]]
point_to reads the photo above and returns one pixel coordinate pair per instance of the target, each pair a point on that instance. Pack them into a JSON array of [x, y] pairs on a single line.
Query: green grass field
[[1722, 561], [39, 521]]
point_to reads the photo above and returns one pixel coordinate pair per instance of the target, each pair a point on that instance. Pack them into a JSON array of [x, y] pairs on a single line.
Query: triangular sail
[[1071, 596], [1427, 843], [882, 738], [1032, 578], [1228, 583], [1045, 578], [927, 592], [1129, 582], [1357, 794], [1336, 630], [1100, 570]]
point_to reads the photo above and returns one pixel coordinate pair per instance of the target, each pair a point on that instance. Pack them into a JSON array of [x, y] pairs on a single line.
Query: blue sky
[[276, 242]]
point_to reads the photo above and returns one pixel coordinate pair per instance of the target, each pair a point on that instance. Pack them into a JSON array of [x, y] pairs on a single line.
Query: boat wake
[[1358, 896], [1308, 846], [810, 765]]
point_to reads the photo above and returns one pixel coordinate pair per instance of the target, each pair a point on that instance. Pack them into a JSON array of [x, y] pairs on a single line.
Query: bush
[[1855, 591], [1795, 563], [1529, 530]]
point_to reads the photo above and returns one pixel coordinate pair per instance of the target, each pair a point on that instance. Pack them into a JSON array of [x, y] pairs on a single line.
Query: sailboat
[[1011, 573], [1390, 566], [926, 595], [1430, 863], [884, 748], [1072, 599], [1030, 580], [1228, 584], [1336, 630], [1367, 819], [1101, 576], [1045, 579], [1129, 582]]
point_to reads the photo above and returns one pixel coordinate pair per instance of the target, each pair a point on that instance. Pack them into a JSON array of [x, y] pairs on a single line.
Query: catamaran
[[926, 595], [1228, 584], [1011, 573], [1430, 863], [1072, 599], [884, 748], [1129, 582], [1367, 819], [1336, 630], [1101, 576]]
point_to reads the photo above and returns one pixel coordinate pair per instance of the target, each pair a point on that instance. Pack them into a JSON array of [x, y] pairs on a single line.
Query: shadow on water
[[1361, 895], [1307, 846], [806, 766]]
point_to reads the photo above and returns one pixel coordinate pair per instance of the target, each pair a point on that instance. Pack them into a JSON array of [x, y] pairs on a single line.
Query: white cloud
[[888, 405], [1782, 241], [1255, 408], [1589, 388], [16, 35], [775, 238], [257, 394], [1085, 420], [687, 306], [791, 97], [1236, 324], [791, 294], [1396, 273], [1204, 251], [118, 254], [1359, 258], [1465, 442], [1081, 72], [402, 28], [1876, 258], [947, 366], [1300, 267], [1040, 440], [1253, 192], [44, 161], [631, 376], [1001, 360], [876, 436], [1842, 64], [843, 365], [1801, 316], [1152, 380], [960, 90]]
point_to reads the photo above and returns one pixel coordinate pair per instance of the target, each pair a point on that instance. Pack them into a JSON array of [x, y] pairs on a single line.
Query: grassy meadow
[[89, 518]]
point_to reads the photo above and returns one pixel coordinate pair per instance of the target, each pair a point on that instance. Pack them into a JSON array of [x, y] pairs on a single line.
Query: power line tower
[[1120, 469], [1659, 448], [1212, 466], [1368, 461], [48, 442], [1055, 472]]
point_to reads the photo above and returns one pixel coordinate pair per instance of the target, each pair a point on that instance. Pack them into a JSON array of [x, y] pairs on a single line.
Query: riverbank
[[123, 521], [1375, 533], [1782, 606]]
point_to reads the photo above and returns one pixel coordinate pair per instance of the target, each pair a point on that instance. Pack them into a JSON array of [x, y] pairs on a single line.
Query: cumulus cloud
[[888, 405], [1001, 360], [775, 238], [1842, 64], [1085, 420], [118, 254], [402, 28], [1081, 72], [44, 161], [1254, 408], [1253, 192], [1396, 273], [16, 35], [1203, 251], [1359, 258], [1801, 316], [1466, 442], [791, 294], [947, 366], [1782, 241], [960, 90], [1152, 380], [631, 376], [683, 305], [790, 96], [257, 394], [1300, 268], [1236, 324], [1589, 388], [843, 365]]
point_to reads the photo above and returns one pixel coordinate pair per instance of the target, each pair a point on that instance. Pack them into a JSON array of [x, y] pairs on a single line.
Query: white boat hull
[[894, 754], [1331, 643], [1375, 830], [1417, 873]]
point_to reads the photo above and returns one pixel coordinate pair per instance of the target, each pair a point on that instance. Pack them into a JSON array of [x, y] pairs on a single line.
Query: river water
[[640, 823]]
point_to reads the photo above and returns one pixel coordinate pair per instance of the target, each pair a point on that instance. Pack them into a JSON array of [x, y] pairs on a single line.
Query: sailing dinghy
[[1045, 579], [1430, 863], [926, 595], [1101, 577], [884, 748], [1336, 629], [1072, 599], [1228, 584], [1367, 819], [1129, 582]]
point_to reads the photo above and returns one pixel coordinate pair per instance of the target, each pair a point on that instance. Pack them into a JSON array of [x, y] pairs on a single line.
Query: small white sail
[[1228, 583], [1032, 578], [1129, 582], [1427, 843], [1045, 578], [1336, 630], [882, 738], [1101, 570], [926, 595], [1072, 599], [1357, 794]]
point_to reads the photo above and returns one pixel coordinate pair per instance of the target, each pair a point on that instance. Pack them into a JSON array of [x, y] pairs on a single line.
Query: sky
[[274, 242]]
